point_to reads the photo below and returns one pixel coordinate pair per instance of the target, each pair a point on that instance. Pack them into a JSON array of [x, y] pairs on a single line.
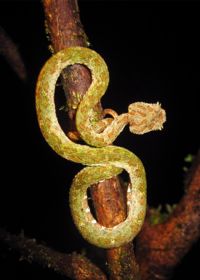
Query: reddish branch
[[110, 205], [65, 29], [161, 247]]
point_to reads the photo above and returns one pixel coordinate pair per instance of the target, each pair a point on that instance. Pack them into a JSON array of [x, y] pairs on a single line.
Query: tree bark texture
[[74, 266], [161, 247], [65, 30]]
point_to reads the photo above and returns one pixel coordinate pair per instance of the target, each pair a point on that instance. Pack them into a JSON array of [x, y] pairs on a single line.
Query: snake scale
[[102, 159]]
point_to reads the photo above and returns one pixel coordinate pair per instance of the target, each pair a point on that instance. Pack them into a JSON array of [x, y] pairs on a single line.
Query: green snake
[[104, 160]]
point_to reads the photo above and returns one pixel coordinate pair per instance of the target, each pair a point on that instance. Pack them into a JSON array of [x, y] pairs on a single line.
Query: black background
[[152, 51]]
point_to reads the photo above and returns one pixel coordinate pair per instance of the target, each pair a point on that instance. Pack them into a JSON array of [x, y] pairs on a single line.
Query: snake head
[[145, 117]]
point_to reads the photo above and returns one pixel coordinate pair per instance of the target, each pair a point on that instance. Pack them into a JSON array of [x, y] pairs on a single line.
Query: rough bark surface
[[161, 247], [65, 29], [74, 266]]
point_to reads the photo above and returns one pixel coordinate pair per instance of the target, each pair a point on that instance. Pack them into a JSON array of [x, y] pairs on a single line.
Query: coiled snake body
[[102, 161]]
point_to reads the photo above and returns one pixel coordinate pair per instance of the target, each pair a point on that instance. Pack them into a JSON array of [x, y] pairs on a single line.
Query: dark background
[[152, 51]]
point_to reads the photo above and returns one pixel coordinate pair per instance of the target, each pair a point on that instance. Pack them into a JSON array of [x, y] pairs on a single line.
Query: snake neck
[[88, 128]]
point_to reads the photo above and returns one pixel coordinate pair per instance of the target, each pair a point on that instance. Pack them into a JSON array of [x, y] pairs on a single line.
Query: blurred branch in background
[[10, 52]]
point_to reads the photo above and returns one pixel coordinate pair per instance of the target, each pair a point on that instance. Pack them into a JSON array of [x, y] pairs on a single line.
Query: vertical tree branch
[[110, 206], [65, 29]]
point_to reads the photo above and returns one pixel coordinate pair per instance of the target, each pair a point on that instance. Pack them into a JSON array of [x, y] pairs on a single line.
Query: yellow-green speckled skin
[[102, 162]]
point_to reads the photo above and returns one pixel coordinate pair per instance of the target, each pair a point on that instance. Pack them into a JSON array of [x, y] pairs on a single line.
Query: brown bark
[[110, 206], [161, 247], [65, 30], [73, 265]]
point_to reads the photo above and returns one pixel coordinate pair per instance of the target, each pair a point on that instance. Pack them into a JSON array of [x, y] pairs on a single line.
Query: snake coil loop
[[104, 160]]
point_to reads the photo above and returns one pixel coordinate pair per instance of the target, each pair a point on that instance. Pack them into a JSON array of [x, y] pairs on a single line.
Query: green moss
[[159, 215]]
